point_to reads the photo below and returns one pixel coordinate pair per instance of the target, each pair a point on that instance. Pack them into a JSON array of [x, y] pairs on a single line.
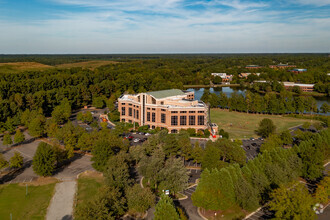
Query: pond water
[[229, 90]]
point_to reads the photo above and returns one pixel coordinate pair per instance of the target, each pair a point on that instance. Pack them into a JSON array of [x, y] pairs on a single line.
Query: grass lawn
[[17, 67], [32, 206], [243, 125], [235, 212], [88, 185]]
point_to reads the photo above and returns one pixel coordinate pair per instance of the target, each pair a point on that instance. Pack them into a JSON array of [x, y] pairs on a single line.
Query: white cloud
[[313, 2]]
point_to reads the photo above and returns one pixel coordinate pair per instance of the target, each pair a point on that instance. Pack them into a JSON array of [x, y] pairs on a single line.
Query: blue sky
[[164, 26]]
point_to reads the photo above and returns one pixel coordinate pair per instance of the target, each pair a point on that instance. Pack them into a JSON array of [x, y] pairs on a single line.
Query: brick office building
[[172, 109]]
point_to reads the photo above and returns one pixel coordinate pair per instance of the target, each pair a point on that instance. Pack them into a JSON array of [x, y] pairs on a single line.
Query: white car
[[147, 134], [136, 140]]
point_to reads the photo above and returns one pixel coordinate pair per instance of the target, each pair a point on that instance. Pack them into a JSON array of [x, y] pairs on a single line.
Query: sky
[[164, 26]]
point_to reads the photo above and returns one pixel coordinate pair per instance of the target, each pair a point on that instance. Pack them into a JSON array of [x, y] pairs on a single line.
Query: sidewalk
[[61, 205]]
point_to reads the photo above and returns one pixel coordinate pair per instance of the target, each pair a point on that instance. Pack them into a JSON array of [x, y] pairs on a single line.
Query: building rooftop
[[166, 93]]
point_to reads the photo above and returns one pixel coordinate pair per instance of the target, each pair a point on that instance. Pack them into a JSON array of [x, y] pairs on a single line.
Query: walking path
[[61, 205]]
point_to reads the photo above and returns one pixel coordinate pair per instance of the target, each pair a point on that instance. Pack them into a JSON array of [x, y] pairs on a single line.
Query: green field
[[33, 206], [243, 125], [88, 186]]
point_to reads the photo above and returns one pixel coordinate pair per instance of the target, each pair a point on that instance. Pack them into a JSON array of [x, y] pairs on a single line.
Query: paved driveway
[[25, 174], [78, 165]]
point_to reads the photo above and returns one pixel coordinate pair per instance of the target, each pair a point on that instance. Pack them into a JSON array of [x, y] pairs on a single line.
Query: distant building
[[172, 109], [253, 67], [244, 75], [223, 76], [303, 87], [282, 66], [298, 70]]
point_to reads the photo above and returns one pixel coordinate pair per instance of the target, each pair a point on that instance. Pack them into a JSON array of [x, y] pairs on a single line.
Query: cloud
[[137, 26], [313, 2]]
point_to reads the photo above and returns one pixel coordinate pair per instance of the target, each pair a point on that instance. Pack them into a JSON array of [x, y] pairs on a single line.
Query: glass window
[[130, 111], [153, 117], [174, 131], [183, 120], [137, 114], [191, 111], [163, 110], [192, 120], [123, 111], [183, 111], [200, 111], [174, 120], [201, 120], [174, 112], [148, 116], [163, 118]]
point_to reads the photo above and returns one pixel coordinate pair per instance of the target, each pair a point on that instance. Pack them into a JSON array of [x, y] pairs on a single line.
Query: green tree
[[108, 204], [98, 102], [103, 149], [292, 203], [165, 209], [246, 195], [211, 158], [286, 137], [16, 161], [62, 112], [117, 171], [322, 193], [37, 126], [44, 160], [139, 199], [266, 127], [7, 139], [197, 153], [174, 175], [325, 108], [3, 162], [19, 136], [272, 142], [306, 125]]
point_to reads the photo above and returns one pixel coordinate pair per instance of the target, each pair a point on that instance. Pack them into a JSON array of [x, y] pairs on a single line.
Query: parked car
[[254, 144], [252, 139], [136, 140], [147, 134]]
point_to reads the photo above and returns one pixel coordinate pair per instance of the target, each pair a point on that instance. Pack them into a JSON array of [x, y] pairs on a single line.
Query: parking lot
[[251, 147]]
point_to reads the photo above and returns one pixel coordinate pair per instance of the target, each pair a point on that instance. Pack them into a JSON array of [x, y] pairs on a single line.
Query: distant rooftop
[[166, 93]]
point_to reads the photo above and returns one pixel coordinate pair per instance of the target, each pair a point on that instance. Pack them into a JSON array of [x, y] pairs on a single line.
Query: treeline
[[252, 184], [270, 103], [44, 90]]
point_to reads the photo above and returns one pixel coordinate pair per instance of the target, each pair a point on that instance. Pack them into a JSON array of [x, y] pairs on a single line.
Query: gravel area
[[61, 205]]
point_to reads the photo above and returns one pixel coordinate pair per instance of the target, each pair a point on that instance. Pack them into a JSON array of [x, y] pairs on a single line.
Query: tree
[[62, 112], [325, 108], [44, 160], [322, 193], [117, 171], [165, 209], [292, 203], [98, 102], [108, 204], [7, 139], [266, 127], [139, 199], [306, 125], [174, 175], [286, 137], [103, 149], [37, 125], [3, 162], [211, 158], [246, 194], [16, 161], [197, 153], [272, 142], [19, 136]]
